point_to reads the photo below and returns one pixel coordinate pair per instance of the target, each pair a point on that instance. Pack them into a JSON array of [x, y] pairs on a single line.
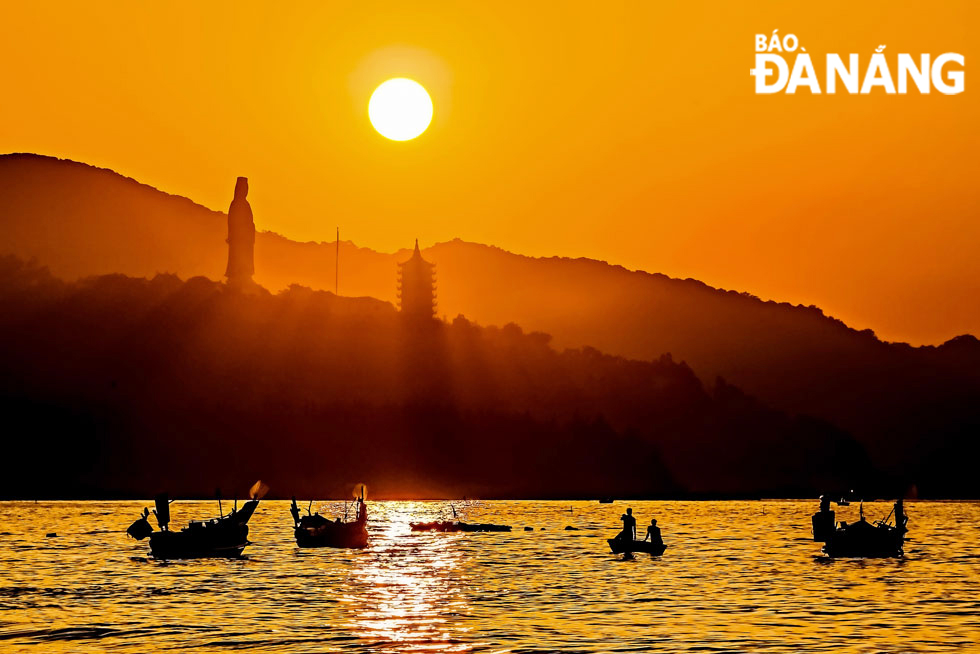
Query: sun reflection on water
[[407, 591]]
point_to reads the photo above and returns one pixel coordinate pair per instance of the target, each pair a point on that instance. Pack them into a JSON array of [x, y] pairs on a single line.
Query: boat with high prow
[[225, 536], [314, 530], [861, 539]]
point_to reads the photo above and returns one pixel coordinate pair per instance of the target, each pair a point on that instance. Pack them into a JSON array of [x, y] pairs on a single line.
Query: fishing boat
[[314, 530], [622, 546], [456, 525], [225, 536], [863, 539]]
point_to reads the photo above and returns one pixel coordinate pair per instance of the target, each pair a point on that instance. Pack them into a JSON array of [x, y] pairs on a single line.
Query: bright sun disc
[[400, 109]]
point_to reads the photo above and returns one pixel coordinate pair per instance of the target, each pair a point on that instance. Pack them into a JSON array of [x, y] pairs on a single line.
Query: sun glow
[[400, 109]]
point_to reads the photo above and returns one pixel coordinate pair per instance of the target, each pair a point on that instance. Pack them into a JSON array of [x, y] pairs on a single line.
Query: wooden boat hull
[[448, 526], [347, 535], [886, 544], [466, 526], [220, 543], [620, 546]]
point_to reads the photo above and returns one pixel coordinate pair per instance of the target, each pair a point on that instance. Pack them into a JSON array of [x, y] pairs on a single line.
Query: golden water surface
[[737, 576]]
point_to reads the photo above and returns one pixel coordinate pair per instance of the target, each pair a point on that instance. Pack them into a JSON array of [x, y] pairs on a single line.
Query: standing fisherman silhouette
[[241, 238], [824, 521], [900, 518], [629, 526]]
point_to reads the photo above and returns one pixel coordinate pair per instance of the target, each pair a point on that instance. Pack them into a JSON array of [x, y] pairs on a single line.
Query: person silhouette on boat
[[900, 518], [629, 526], [653, 533]]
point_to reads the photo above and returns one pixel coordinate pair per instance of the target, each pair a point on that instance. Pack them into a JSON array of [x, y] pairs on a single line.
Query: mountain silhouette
[[908, 406], [119, 386]]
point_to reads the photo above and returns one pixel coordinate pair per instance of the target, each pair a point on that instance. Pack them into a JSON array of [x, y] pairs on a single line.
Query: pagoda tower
[[417, 286]]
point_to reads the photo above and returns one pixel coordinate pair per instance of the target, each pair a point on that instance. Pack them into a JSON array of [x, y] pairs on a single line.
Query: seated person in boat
[[653, 533]]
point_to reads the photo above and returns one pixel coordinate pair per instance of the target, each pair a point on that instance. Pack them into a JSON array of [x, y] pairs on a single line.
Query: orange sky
[[625, 132]]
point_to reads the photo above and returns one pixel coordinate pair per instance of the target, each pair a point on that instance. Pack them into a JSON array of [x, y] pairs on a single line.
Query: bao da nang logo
[[783, 65]]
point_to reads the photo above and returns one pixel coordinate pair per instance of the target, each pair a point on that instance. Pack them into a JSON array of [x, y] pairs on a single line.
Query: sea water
[[737, 576]]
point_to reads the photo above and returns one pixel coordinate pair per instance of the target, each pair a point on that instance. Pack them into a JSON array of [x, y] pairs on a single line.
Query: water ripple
[[738, 576]]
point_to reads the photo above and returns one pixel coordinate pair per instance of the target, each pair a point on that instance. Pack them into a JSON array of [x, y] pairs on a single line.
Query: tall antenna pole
[[336, 278]]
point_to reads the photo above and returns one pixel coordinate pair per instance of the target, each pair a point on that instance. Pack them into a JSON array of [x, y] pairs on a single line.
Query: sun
[[400, 109]]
